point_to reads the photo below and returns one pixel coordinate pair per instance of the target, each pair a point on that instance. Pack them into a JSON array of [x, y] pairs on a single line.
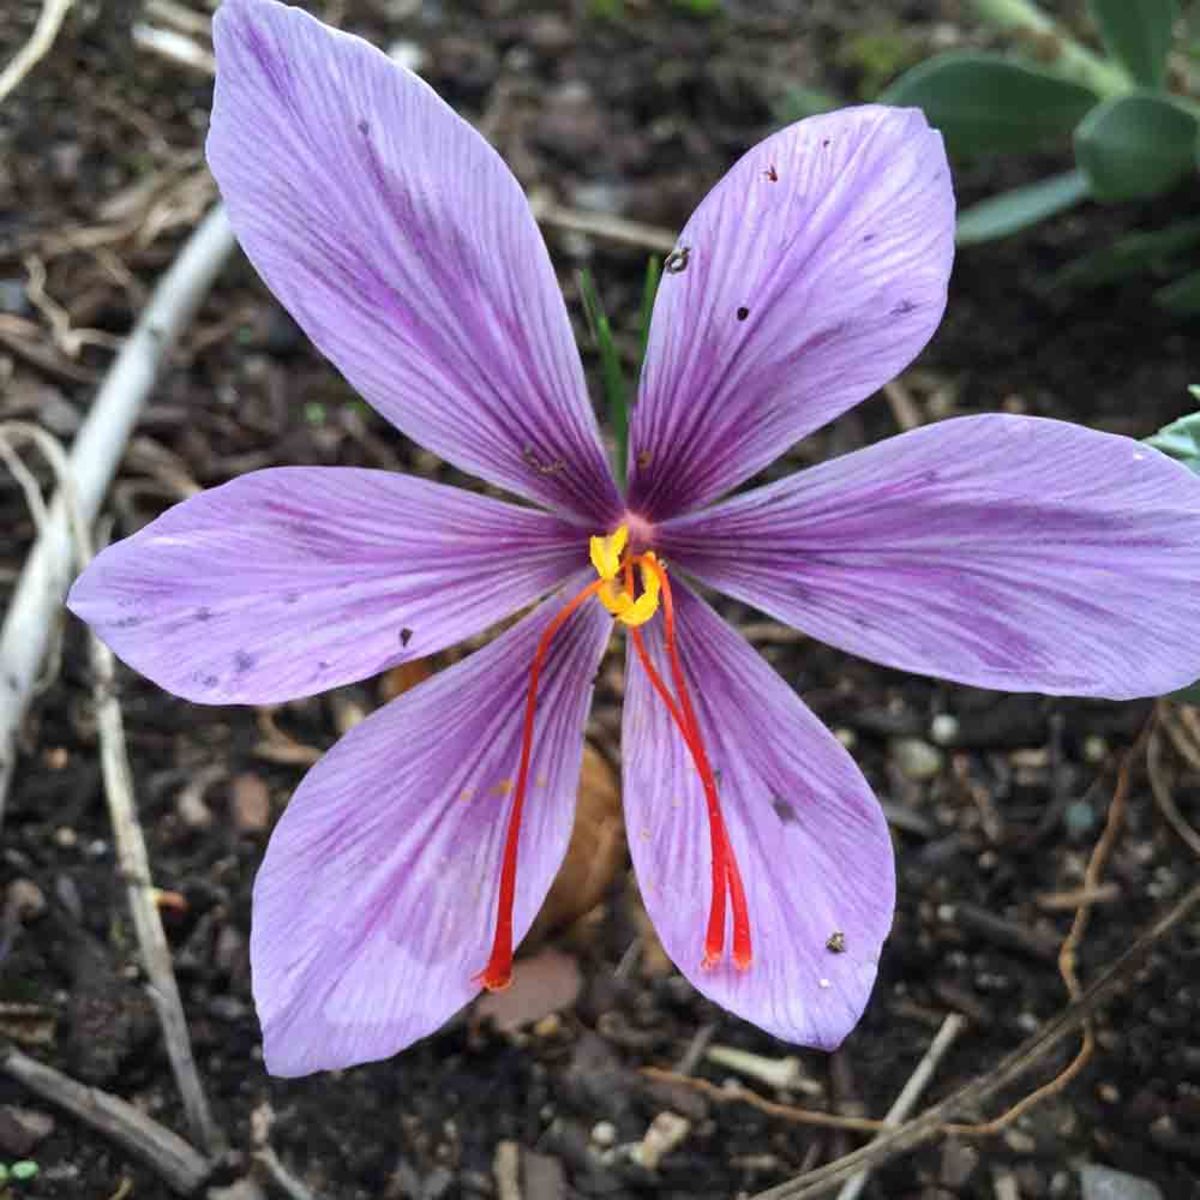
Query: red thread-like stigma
[[725, 873], [497, 975]]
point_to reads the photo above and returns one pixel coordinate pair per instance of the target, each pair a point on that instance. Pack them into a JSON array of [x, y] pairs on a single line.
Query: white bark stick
[[37, 601]]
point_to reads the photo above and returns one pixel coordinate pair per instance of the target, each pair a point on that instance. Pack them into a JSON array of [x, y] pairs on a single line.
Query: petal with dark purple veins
[[1006, 552], [292, 580], [375, 904], [405, 249], [808, 277], [810, 840]]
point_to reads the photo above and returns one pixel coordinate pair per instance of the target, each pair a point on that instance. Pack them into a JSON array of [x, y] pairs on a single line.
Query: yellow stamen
[[606, 552], [606, 555]]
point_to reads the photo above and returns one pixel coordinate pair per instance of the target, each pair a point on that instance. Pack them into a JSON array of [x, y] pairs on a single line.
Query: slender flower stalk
[[997, 551]]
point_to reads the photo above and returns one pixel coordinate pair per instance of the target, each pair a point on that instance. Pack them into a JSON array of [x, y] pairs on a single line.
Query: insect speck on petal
[[677, 261], [772, 174], [836, 942]]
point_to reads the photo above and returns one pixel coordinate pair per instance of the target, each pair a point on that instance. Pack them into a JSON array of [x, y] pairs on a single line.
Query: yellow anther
[[619, 602], [606, 552]]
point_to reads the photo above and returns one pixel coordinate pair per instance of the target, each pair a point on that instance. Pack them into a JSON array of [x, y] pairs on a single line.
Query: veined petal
[[405, 249], [1006, 552], [375, 904], [288, 581], [810, 840], [815, 271]]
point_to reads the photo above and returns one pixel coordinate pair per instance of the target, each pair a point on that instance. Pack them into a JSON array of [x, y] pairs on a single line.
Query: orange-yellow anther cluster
[[607, 557]]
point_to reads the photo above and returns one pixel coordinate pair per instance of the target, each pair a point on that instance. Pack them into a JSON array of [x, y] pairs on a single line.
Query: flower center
[[614, 588]]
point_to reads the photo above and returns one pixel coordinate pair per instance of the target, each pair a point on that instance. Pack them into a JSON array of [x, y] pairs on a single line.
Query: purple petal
[[810, 840], [816, 270], [375, 905], [1006, 552], [289, 581], [404, 247]]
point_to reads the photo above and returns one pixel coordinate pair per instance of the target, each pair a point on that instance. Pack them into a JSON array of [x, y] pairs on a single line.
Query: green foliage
[[877, 56], [1134, 254], [1181, 441], [1136, 146], [984, 103], [1137, 34], [799, 102], [1009, 212], [611, 373], [649, 291], [1132, 137], [1181, 297], [23, 1170]]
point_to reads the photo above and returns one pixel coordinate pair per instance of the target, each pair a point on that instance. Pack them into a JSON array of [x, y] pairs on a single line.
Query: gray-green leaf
[[1181, 297], [1137, 33], [1130, 255], [1135, 146], [983, 102], [999, 216]]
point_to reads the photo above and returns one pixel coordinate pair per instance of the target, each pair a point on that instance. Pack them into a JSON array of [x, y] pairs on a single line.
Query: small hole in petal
[[405, 636], [743, 313]]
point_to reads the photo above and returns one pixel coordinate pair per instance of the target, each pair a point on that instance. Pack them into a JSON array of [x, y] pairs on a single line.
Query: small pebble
[[944, 729], [1105, 1183], [250, 803], [604, 1134], [917, 760]]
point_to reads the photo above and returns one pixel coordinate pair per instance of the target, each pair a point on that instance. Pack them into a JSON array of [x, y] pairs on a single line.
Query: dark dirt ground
[[100, 179]]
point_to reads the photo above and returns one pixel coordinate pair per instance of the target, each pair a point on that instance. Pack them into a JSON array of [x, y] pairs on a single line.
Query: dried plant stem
[[37, 601], [786, 1112], [49, 22], [183, 1169], [933, 1121], [603, 226], [132, 857], [918, 1081], [1163, 798]]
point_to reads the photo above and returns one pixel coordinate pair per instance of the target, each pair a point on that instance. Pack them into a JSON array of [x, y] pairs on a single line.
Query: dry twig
[[37, 601], [183, 1169], [132, 856], [973, 1095], [1163, 798], [49, 22], [918, 1081]]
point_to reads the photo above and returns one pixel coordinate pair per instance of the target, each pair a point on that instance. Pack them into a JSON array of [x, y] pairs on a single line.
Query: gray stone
[[1105, 1183]]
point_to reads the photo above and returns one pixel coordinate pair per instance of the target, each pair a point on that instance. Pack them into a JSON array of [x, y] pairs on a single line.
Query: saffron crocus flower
[[998, 551]]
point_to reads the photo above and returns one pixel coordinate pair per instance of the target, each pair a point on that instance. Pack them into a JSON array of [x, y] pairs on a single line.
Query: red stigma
[[726, 878], [497, 975]]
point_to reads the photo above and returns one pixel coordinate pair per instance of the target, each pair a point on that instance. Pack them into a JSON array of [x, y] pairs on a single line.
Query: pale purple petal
[[1006, 552], [404, 247], [811, 841], [816, 270], [289, 581], [375, 905]]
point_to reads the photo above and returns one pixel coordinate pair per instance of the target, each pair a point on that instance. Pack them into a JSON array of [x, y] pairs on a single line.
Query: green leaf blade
[[1134, 254], [1181, 297], [983, 103], [612, 375], [1010, 212], [1137, 33], [1135, 146]]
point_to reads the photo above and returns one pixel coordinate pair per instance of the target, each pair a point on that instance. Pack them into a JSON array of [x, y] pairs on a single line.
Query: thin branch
[[49, 22], [37, 601], [132, 856], [918, 1081], [976, 1093], [166, 1153]]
